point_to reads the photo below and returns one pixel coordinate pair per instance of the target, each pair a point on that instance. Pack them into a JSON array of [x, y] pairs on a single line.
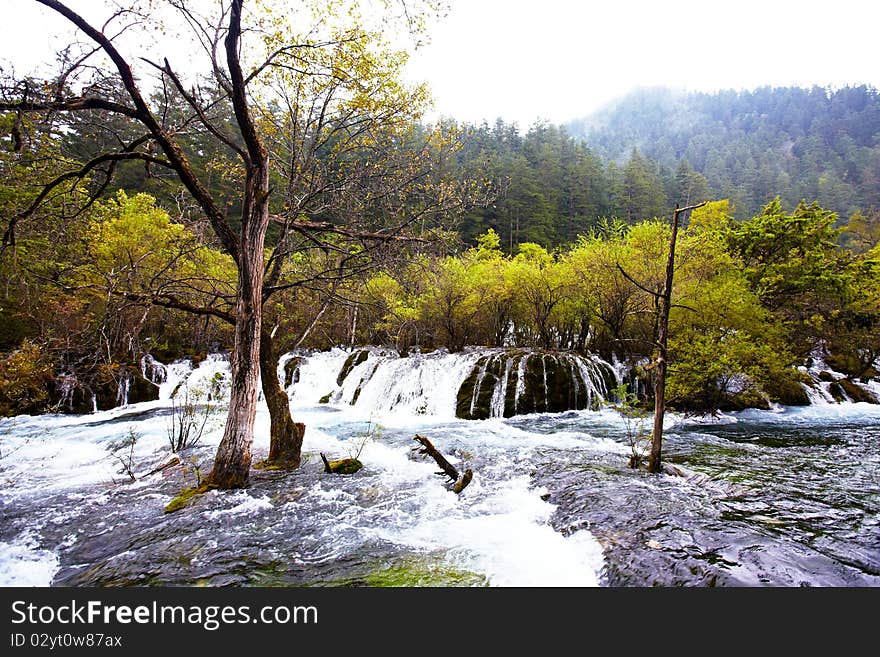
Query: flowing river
[[787, 497]]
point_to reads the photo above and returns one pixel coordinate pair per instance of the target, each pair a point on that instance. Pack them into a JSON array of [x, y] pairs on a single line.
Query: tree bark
[[285, 435], [233, 460], [459, 481]]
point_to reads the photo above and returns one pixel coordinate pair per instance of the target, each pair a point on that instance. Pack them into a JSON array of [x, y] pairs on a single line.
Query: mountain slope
[[812, 144]]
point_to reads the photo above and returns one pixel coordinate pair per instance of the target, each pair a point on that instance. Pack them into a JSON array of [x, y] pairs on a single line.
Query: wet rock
[[856, 393], [355, 359], [291, 371], [519, 382]]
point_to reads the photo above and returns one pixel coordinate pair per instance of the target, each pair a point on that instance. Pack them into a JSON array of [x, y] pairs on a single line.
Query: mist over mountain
[[815, 144]]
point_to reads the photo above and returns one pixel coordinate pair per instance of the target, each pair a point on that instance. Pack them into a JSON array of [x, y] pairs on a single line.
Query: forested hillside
[[497, 237], [813, 144]]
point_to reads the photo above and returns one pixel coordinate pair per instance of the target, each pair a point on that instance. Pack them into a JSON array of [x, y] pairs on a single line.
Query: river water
[[787, 497]]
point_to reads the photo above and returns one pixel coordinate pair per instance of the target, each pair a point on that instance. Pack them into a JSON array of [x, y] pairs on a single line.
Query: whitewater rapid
[[499, 528]]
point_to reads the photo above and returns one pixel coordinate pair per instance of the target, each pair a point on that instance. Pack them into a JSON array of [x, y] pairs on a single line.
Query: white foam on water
[[22, 563], [499, 526], [501, 530], [243, 504]]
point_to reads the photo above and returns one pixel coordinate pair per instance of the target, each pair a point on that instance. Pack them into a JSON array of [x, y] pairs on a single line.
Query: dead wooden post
[[447, 469]]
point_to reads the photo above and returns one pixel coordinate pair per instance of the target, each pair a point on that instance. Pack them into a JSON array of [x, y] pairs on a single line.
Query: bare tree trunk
[[664, 301], [233, 460], [354, 323], [285, 435]]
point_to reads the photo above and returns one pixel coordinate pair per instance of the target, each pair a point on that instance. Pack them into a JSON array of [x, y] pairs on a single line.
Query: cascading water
[[552, 501], [152, 370]]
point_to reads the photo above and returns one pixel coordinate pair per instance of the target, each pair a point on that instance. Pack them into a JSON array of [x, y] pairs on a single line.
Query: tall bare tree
[[662, 305], [101, 81]]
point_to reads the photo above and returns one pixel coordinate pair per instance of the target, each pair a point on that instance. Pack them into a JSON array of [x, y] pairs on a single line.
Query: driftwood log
[[459, 481]]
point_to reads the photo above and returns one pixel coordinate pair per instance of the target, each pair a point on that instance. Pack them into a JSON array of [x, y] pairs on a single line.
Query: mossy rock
[[354, 359], [474, 399], [548, 382], [326, 398], [270, 466], [106, 386], [827, 377], [69, 395], [423, 573], [140, 389], [291, 371], [857, 393], [837, 392], [186, 496], [845, 362], [751, 397], [341, 466], [790, 392]]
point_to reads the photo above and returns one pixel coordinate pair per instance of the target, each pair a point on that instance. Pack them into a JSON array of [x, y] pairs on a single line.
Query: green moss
[[342, 466], [326, 398], [186, 496], [423, 572], [483, 378], [856, 392], [355, 359]]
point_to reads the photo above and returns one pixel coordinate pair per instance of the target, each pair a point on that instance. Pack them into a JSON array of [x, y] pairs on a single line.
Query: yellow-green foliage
[[136, 243], [25, 378]]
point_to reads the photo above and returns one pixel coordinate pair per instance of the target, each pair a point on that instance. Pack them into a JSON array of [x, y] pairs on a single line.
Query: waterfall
[[819, 393], [153, 370], [122, 390], [475, 384]]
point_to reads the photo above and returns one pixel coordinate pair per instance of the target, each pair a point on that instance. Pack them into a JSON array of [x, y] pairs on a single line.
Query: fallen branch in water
[[447, 469], [168, 464]]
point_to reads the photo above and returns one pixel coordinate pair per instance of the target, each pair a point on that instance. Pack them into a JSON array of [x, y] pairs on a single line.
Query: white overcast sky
[[561, 59]]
